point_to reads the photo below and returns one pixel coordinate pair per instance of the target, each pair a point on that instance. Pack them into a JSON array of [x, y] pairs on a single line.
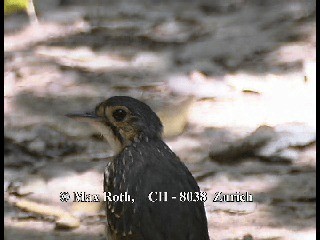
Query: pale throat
[[107, 133]]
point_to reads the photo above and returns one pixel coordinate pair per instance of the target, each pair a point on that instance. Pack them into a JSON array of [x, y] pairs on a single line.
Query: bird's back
[[140, 169]]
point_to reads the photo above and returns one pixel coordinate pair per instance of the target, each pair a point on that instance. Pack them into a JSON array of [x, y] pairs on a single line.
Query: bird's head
[[123, 120]]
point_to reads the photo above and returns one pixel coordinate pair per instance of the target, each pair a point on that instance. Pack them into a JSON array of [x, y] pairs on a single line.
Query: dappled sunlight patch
[[281, 99], [89, 60]]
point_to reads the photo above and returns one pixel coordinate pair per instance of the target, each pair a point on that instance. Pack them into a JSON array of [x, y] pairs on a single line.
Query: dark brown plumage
[[143, 163]]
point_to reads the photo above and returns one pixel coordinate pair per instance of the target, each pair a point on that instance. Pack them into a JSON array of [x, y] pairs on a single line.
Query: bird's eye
[[119, 115]]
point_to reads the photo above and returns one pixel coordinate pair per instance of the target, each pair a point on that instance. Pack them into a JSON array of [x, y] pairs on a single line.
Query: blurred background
[[233, 82]]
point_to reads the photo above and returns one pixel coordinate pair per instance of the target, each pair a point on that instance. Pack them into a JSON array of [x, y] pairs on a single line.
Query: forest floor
[[234, 84]]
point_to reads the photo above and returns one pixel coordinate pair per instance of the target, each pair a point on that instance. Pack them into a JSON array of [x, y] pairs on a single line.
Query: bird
[[143, 164]]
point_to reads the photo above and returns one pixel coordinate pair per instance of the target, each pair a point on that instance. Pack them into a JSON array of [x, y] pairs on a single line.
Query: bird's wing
[[175, 218]]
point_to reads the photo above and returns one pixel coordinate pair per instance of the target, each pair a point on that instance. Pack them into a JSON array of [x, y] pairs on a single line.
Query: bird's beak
[[84, 117]]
